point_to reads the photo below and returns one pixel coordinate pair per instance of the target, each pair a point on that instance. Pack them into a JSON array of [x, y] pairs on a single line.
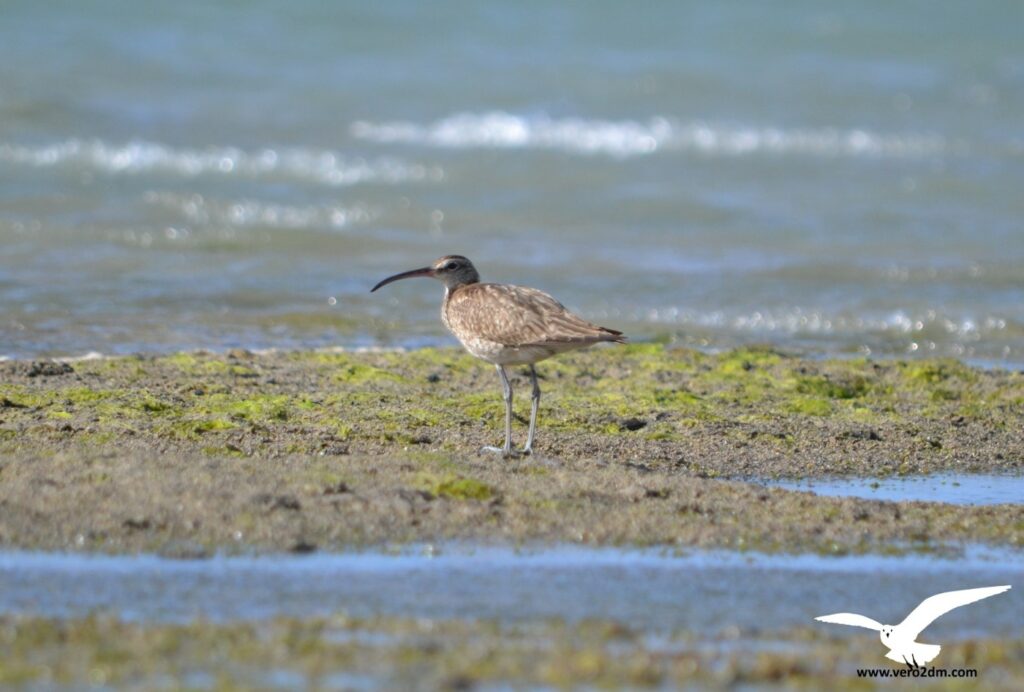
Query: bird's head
[[886, 633], [451, 270]]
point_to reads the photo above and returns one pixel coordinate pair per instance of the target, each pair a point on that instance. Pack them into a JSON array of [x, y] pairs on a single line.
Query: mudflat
[[197, 453], [342, 652]]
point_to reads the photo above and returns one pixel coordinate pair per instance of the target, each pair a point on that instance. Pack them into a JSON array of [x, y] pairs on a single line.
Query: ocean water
[[829, 179], [952, 488], [654, 590]]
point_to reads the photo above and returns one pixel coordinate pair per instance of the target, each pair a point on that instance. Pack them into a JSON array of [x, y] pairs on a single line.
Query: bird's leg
[[912, 663], [506, 450], [534, 405], [507, 387]]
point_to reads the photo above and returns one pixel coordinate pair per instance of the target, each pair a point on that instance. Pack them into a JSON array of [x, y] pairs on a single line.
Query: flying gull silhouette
[[900, 639]]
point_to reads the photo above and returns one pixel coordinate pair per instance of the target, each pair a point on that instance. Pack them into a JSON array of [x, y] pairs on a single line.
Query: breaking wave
[[622, 138], [198, 209], [319, 166], [926, 331]]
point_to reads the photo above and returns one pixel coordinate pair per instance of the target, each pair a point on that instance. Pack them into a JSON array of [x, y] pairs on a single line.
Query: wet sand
[[194, 454]]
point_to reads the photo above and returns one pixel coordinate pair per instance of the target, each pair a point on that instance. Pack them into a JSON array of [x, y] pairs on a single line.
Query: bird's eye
[[450, 266]]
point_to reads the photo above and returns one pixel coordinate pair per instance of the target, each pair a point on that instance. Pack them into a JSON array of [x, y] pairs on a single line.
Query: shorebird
[[901, 639], [507, 325]]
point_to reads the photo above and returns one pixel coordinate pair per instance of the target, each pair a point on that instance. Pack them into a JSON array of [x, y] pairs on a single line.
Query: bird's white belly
[[500, 354], [903, 652]]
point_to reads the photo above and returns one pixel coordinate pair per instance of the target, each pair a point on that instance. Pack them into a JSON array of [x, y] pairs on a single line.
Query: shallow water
[[648, 589], [958, 489], [835, 180]]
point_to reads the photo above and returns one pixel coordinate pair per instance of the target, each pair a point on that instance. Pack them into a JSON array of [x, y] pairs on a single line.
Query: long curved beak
[[424, 271]]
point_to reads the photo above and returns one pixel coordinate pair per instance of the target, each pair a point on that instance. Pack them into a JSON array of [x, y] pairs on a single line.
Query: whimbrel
[[507, 325]]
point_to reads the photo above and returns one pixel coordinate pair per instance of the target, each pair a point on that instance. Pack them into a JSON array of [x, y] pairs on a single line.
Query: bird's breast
[[444, 312]]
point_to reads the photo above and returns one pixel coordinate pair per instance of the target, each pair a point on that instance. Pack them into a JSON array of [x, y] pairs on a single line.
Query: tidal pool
[[654, 590], [953, 488]]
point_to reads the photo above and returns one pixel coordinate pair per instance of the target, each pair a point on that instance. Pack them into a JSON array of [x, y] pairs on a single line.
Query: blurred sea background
[[832, 179]]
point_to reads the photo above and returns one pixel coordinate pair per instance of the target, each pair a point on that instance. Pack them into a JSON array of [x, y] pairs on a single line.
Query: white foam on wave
[[320, 166], [89, 355], [244, 213], [260, 352], [622, 138], [800, 321]]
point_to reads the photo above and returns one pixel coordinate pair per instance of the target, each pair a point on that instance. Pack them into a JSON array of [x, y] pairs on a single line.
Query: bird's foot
[[912, 663], [506, 452]]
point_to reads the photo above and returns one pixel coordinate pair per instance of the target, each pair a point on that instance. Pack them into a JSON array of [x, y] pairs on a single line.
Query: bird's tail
[[927, 652], [614, 335]]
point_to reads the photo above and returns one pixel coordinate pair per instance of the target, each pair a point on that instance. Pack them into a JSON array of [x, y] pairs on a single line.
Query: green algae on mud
[[201, 452], [400, 653]]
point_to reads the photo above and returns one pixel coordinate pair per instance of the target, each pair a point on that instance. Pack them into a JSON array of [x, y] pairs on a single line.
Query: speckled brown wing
[[519, 316]]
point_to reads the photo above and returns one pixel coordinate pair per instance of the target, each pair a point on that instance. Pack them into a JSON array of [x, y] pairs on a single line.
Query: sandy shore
[[195, 453]]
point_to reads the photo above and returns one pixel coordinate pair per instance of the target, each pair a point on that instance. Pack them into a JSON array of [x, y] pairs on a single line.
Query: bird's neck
[[451, 288]]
